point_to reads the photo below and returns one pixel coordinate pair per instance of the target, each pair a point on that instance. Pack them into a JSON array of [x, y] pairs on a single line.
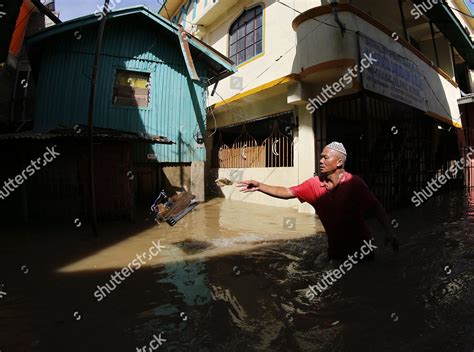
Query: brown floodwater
[[232, 276]]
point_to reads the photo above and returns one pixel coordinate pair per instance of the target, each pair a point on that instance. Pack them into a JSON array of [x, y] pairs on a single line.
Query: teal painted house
[[152, 84], [143, 84]]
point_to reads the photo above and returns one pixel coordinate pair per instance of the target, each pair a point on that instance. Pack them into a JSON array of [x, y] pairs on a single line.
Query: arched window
[[246, 35]]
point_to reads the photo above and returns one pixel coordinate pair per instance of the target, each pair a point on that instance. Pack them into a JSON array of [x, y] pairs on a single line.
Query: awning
[[80, 132]]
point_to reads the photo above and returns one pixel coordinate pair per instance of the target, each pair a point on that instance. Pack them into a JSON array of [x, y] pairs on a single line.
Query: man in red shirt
[[340, 199]]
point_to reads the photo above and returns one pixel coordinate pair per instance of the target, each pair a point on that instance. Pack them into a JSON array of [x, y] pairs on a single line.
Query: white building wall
[[288, 52], [441, 95], [278, 52]]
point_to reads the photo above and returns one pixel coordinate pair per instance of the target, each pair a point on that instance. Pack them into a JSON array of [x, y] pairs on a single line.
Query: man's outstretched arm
[[274, 191]]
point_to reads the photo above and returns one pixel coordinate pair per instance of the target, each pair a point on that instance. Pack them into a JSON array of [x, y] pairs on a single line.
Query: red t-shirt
[[341, 211]]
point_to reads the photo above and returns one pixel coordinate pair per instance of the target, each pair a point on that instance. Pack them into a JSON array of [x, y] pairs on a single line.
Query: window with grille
[[246, 35], [258, 144], [131, 88]]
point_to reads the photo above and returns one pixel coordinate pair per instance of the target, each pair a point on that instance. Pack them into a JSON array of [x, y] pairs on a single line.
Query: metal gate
[[468, 153], [395, 148]]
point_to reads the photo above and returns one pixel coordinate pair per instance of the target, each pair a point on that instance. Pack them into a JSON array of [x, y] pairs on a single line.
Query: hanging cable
[[455, 9]]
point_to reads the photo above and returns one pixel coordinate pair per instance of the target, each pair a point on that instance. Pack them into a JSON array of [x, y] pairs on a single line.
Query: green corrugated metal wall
[[177, 106]]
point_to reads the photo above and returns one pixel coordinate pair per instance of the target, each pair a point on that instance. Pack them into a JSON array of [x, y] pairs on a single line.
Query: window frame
[[255, 56], [150, 97]]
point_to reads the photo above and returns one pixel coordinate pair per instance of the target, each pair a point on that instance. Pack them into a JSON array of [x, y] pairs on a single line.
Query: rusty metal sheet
[[183, 41]]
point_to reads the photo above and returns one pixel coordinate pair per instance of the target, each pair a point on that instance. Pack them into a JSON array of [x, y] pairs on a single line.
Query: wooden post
[[100, 36]]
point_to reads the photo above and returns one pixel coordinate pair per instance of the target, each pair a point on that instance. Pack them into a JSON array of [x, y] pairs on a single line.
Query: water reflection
[[402, 302], [232, 278]]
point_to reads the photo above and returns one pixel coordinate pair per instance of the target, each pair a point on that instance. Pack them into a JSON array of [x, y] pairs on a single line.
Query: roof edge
[[225, 62]]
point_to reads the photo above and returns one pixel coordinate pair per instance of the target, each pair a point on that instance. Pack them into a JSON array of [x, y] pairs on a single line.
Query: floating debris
[[221, 182]]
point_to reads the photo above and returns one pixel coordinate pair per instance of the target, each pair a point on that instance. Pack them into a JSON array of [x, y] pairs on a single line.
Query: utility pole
[[98, 48]]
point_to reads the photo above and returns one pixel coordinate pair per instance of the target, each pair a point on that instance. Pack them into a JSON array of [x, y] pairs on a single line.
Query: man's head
[[333, 157]]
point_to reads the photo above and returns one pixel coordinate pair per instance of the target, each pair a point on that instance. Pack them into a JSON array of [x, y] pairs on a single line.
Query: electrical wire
[[439, 101], [229, 108], [206, 102], [358, 33], [235, 113], [280, 57], [166, 9], [455, 9], [314, 18], [292, 47], [431, 88]]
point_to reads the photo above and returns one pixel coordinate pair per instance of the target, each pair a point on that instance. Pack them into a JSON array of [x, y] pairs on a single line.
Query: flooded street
[[232, 276]]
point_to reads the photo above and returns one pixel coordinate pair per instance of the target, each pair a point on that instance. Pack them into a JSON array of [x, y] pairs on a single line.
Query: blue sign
[[393, 75]]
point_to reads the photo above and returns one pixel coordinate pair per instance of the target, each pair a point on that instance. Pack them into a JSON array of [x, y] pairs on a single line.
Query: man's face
[[330, 161]]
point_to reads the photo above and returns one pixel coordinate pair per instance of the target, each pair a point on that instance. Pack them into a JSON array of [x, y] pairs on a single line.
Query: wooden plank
[[141, 101], [181, 202], [129, 92]]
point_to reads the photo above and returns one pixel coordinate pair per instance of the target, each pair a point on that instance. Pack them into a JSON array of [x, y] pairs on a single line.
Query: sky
[[69, 9], [470, 5]]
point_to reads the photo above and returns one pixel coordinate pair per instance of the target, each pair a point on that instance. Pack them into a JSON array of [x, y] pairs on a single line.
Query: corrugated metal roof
[[220, 65], [177, 105], [81, 132]]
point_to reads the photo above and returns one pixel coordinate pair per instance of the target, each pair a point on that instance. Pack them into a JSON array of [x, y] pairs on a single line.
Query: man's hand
[[248, 186], [274, 191], [392, 240]]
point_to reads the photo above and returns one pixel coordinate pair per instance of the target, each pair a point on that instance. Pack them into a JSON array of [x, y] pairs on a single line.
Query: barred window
[[262, 143], [246, 35]]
